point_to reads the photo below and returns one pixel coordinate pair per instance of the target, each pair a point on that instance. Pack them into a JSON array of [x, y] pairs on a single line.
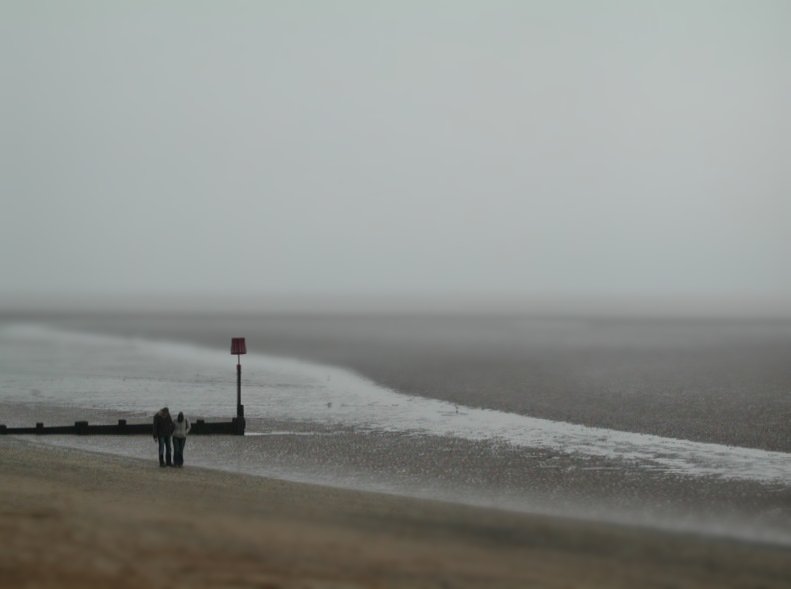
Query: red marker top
[[238, 346]]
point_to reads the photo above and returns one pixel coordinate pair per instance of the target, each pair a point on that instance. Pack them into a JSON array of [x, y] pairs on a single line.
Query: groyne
[[234, 427]]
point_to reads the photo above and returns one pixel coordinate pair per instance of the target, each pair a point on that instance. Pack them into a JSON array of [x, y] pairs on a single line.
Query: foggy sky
[[470, 150]]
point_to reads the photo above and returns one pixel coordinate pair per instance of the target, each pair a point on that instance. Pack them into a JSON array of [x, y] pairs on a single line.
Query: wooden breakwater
[[200, 427]]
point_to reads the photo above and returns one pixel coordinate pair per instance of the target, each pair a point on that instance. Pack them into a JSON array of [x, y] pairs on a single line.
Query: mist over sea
[[663, 422]]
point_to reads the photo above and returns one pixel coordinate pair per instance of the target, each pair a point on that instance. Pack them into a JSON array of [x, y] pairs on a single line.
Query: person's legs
[[181, 451], [178, 449], [168, 460], [161, 440]]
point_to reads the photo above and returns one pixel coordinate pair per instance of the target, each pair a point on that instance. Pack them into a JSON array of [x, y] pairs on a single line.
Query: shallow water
[[724, 381]]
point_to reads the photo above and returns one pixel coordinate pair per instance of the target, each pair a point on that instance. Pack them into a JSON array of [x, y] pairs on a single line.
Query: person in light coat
[[181, 428]]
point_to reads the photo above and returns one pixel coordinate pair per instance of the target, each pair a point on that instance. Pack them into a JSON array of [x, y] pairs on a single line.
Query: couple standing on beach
[[164, 428]]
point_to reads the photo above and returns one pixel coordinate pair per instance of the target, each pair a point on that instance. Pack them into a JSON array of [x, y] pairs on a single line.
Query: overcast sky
[[464, 149]]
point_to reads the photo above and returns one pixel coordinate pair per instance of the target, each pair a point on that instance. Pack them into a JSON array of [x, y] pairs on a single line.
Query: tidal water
[[666, 424]]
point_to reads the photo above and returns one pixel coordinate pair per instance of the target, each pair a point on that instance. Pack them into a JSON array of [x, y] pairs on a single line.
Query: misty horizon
[[527, 306]]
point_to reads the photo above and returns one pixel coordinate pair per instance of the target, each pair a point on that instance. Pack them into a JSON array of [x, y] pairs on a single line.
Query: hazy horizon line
[[748, 306]]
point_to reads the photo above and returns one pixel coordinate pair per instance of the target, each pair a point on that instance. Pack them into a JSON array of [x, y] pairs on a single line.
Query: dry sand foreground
[[75, 519]]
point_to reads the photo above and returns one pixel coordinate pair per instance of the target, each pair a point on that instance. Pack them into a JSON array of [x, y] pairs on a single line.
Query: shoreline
[[600, 377], [471, 472], [510, 479], [73, 518]]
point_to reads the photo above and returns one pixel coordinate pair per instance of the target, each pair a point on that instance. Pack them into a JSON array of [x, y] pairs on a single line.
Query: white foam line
[[203, 380]]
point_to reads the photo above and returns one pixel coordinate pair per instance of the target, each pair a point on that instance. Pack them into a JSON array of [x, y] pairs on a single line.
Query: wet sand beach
[[78, 519]]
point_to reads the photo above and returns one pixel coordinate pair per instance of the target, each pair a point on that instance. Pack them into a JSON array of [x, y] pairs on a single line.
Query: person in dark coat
[[163, 429]]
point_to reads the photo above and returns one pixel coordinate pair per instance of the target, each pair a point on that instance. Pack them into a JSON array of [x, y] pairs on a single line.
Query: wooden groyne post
[[239, 347], [200, 427]]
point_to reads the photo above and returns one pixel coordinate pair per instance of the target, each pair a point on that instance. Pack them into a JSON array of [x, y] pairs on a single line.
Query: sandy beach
[[77, 519]]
